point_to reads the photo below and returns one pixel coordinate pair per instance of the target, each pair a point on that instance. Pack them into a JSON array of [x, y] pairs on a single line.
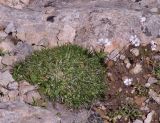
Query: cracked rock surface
[[83, 22], [19, 112], [27, 25]]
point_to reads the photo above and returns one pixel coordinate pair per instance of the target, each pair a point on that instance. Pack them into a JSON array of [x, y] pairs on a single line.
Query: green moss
[[68, 74]]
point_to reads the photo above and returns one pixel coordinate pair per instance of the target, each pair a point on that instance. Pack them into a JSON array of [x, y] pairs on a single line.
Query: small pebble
[[128, 64], [151, 81], [122, 57], [137, 69], [135, 51]]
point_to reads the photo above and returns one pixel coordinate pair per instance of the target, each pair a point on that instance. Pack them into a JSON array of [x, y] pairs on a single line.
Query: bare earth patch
[[133, 79]]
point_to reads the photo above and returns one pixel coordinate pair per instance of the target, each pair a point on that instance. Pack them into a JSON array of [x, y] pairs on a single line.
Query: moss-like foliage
[[128, 111], [68, 74]]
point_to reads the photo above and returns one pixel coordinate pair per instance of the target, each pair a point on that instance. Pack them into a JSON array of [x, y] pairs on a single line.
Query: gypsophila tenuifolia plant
[[68, 74]]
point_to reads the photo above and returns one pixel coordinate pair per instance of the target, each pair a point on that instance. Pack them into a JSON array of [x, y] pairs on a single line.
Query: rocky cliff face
[[84, 22]]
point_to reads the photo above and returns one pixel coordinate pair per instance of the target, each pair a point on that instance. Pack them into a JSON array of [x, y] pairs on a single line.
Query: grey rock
[[154, 10], [68, 33], [135, 51], [6, 45], [19, 112], [152, 27], [4, 94], [149, 117], [44, 42], [18, 4], [3, 35], [31, 96], [145, 108], [22, 50], [5, 78], [13, 95], [128, 64], [10, 28], [82, 22], [68, 116], [3, 90], [138, 121], [94, 118], [154, 96], [151, 81], [12, 86], [148, 2], [9, 60], [137, 69], [38, 47], [156, 57], [1, 65], [114, 55], [122, 57], [4, 98], [25, 87]]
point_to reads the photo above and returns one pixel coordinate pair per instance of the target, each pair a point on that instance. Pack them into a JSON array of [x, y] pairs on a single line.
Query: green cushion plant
[[68, 74]]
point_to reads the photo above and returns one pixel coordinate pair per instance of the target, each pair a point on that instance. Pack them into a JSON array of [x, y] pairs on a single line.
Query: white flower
[[153, 46], [128, 81], [135, 40], [143, 19], [103, 41]]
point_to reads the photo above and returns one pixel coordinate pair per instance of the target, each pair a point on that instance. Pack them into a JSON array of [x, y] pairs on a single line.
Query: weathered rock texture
[[83, 22], [18, 4], [26, 25], [18, 112]]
